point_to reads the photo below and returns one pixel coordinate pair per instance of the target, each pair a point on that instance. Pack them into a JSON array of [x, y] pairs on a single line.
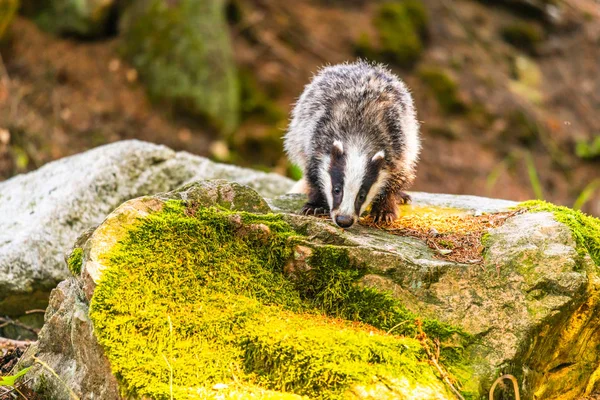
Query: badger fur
[[355, 134]]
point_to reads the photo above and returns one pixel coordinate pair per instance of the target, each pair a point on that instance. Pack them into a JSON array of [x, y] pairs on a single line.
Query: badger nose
[[344, 221]]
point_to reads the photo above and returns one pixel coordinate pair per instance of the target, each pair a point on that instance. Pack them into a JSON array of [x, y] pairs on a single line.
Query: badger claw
[[384, 216], [404, 198], [309, 209]]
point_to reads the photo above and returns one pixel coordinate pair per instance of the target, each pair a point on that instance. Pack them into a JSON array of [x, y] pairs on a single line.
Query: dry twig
[[500, 379], [434, 360], [5, 342]]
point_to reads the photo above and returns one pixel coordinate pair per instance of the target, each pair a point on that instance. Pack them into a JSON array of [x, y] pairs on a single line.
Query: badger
[[355, 135]]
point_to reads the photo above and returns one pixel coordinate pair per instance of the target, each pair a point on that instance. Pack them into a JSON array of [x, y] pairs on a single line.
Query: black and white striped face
[[351, 180]]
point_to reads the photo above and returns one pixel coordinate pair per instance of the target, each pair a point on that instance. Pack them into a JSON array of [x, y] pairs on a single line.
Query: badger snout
[[344, 221]]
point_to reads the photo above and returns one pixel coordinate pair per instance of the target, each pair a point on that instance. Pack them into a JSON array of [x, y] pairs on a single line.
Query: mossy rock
[[197, 299], [190, 294], [222, 193], [83, 18], [197, 76], [401, 30]]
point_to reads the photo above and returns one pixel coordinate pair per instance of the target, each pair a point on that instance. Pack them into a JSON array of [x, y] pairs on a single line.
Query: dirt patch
[[65, 96]]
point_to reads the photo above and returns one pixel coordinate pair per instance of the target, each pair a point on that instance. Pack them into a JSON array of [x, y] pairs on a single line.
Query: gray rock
[[42, 212], [80, 360]]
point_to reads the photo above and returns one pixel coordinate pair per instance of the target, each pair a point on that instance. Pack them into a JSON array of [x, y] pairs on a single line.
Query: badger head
[[351, 177]]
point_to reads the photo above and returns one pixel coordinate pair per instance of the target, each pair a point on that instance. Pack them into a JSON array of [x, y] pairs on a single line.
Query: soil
[[66, 95]]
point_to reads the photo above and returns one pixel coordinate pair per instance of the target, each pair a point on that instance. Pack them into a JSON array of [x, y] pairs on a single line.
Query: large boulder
[[183, 52], [203, 293], [43, 212]]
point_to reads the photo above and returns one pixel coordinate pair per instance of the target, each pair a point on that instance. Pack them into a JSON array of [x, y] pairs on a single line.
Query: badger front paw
[[385, 211], [314, 209]]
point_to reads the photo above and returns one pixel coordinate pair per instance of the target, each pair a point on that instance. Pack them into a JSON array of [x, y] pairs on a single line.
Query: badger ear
[[380, 155], [337, 149]]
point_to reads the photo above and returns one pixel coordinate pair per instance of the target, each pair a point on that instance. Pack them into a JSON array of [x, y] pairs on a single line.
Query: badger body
[[355, 134]]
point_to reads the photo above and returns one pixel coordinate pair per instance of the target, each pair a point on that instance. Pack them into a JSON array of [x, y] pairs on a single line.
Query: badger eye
[[337, 190], [361, 196]]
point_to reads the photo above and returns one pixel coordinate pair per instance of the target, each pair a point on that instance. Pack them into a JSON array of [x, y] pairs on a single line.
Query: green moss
[[446, 243], [331, 287], [588, 150], [523, 35], [585, 228], [75, 261], [485, 239], [401, 28], [339, 356], [444, 89], [256, 102], [193, 297]]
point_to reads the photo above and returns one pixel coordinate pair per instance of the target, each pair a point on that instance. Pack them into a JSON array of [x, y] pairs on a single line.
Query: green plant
[[586, 194], [534, 179], [10, 380], [588, 150]]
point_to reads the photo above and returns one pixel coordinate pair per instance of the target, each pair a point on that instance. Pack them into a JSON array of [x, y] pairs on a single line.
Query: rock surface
[[198, 75], [43, 212], [531, 308]]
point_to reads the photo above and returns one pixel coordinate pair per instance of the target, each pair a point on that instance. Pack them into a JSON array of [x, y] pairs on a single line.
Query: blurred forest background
[[508, 91]]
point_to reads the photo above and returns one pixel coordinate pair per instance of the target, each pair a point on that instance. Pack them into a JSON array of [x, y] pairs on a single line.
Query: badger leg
[[316, 204], [385, 207]]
